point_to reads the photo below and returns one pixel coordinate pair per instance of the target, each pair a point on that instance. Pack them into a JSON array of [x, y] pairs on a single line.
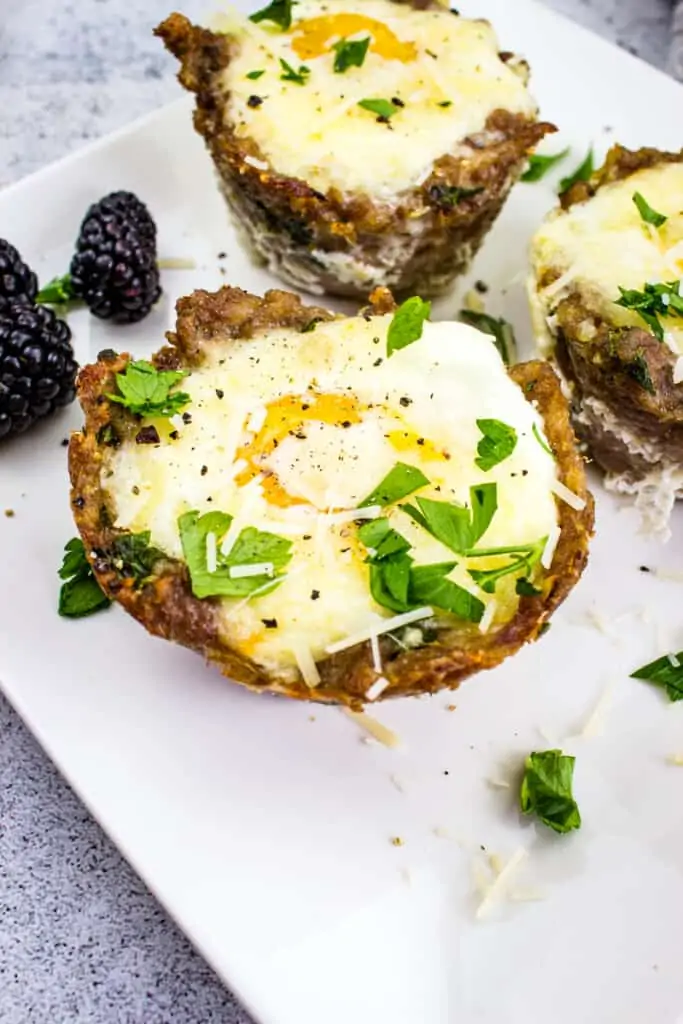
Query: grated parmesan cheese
[[569, 497], [260, 165], [378, 731], [211, 553], [493, 892], [376, 656], [307, 666], [488, 617], [239, 572], [172, 263], [498, 783], [549, 549], [593, 724], [377, 688], [678, 371], [350, 515], [383, 626]]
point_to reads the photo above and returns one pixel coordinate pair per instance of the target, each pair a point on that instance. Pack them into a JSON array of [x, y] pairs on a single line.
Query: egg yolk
[[286, 416], [408, 441], [315, 36]]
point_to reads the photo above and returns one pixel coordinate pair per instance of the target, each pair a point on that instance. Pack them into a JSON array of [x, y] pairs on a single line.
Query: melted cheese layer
[[309, 425], [603, 243], [317, 131]]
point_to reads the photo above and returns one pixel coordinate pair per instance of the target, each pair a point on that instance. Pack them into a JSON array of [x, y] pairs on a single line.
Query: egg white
[[603, 243], [432, 391], [317, 131]]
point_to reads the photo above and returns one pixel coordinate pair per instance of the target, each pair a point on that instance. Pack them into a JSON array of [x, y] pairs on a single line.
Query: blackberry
[[114, 268], [18, 283], [37, 366]]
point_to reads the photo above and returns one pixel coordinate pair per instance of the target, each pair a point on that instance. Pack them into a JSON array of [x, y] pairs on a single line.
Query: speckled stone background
[[81, 939]]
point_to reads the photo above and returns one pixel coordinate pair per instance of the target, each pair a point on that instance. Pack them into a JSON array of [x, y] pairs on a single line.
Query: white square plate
[[264, 826]]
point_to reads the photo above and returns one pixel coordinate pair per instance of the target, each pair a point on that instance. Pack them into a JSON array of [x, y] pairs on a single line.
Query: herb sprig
[[653, 302], [279, 12], [80, 594], [582, 173], [540, 164], [407, 323], [546, 790], [146, 391], [459, 527], [647, 214], [666, 672], [290, 74], [500, 330], [350, 53], [399, 482], [498, 442], [251, 547]]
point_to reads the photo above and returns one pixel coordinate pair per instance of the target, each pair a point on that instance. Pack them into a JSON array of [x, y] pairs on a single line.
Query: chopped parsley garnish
[[639, 371], [57, 292], [396, 583], [279, 12], [524, 558], [252, 547], [253, 75], [457, 526], [654, 301], [666, 672], [146, 391], [648, 215], [407, 323], [399, 482], [383, 108], [449, 196], [134, 557], [546, 790], [80, 594], [500, 330], [525, 588], [290, 74], [541, 440], [497, 443], [539, 165], [350, 53], [582, 173]]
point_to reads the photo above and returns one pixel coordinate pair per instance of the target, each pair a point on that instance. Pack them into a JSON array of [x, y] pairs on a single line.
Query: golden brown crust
[[625, 398], [620, 162], [166, 606], [293, 225]]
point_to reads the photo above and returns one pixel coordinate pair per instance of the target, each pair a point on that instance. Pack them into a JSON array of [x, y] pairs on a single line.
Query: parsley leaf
[[253, 75], [456, 526], [448, 196], [582, 173], [383, 108], [382, 539], [429, 586], [290, 74], [57, 292], [279, 12], [399, 482], [539, 165], [501, 331], [648, 215], [665, 674], [252, 547], [146, 391], [134, 557], [497, 444], [397, 584], [639, 371], [525, 588], [653, 301], [524, 558], [350, 53], [547, 790], [407, 323], [80, 594]]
